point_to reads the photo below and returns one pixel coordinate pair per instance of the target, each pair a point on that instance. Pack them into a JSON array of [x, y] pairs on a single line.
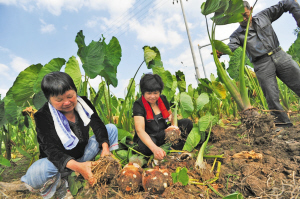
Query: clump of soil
[[106, 169]]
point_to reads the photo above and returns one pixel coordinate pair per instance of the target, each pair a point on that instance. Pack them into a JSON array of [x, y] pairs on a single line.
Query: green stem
[[243, 88], [124, 103]]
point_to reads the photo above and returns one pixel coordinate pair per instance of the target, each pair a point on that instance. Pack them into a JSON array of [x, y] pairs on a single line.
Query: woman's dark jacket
[[50, 145], [155, 126]]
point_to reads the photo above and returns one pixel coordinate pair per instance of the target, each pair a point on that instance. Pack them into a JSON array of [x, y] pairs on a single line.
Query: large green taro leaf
[[54, 65], [22, 89], [12, 111], [210, 6], [295, 49], [192, 140], [186, 105], [181, 83], [2, 113], [39, 100], [113, 54], [91, 56], [152, 57], [235, 62], [229, 14], [169, 81], [72, 69], [202, 100]]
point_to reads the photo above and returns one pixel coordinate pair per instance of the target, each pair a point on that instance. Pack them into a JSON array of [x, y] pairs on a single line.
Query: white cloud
[[3, 68], [19, 64], [114, 7], [10, 2], [55, 6], [93, 22], [154, 32], [46, 28], [3, 92], [6, 50]]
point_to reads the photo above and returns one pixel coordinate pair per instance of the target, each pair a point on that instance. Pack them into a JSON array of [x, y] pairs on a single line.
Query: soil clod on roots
[[105, 169], [256, 122], [173, 137]]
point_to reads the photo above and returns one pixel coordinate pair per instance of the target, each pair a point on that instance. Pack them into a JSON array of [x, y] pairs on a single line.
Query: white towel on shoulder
[[61, 124]]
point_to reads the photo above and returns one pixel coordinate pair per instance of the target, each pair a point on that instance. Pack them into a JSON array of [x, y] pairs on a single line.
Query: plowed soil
[[257, 163]]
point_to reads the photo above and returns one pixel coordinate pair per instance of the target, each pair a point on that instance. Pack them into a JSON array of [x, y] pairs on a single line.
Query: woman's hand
[[105, 150], [159, 153], [84, 168]]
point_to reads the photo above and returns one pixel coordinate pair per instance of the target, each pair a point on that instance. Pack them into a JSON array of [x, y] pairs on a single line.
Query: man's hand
[[219, 54]]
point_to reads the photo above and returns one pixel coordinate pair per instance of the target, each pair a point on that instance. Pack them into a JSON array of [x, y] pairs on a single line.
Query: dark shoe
[[62, 190], [284, 125]]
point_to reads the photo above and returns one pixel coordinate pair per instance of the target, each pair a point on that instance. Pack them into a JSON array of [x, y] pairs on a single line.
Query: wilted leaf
[[218, 89]]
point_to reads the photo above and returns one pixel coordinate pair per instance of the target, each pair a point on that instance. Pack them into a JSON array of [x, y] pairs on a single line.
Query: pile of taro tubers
[[132, 177]]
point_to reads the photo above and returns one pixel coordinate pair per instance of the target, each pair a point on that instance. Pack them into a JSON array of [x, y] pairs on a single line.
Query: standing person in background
[[150, 113], [268, 58], [62, 126]]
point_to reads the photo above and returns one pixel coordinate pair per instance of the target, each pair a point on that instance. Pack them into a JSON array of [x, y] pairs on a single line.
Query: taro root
[[172, 136], [156, 180], [105, 169], [130, 178]]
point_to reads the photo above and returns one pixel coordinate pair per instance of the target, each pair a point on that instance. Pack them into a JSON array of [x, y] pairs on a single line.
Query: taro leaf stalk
[[226, 12]]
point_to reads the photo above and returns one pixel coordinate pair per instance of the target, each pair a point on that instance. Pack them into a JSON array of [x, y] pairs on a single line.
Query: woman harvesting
[[62, 126], [151, 112]]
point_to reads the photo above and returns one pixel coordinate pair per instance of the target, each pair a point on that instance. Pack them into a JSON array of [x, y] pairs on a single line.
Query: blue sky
[[36, 31]]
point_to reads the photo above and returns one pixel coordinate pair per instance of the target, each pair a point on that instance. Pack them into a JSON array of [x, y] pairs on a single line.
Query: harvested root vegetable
[[248, 155], [172, 136], [105, 169], [156, 180], [130, 178]]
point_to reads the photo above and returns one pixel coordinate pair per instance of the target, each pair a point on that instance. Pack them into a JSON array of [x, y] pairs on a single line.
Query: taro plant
[[152, 59], [226, 12], [99, 58]]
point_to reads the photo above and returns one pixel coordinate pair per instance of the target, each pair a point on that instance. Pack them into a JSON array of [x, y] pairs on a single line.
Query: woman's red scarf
[[149, 112]]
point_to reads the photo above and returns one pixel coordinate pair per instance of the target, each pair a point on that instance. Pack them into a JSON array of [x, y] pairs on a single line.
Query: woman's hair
[[151, 82], [57, 83]]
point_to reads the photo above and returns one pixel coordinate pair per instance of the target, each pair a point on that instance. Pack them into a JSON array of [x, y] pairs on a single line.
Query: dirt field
[[270, 169]]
